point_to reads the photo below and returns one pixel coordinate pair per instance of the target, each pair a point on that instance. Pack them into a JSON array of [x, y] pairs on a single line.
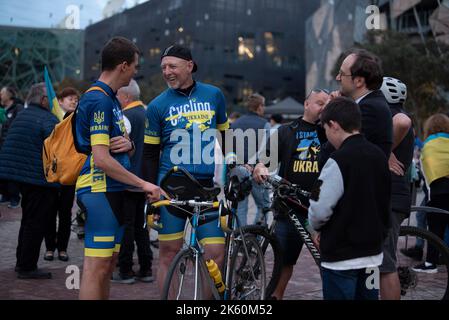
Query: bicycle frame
[[299, 221]]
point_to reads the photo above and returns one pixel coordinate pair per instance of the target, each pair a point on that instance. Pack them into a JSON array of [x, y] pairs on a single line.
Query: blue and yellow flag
[[52, 99], [435, 157]]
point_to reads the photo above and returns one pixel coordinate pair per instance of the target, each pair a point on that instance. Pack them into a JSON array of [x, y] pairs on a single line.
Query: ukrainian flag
[[52, 99]]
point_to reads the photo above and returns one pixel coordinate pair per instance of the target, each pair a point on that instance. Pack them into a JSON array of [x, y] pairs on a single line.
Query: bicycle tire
[[274, 268], [182, 266], [418, 285], [244, 287]]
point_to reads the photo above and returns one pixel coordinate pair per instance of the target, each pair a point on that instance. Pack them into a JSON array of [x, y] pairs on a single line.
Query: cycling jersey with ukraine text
[[99, 118], [181, 124]]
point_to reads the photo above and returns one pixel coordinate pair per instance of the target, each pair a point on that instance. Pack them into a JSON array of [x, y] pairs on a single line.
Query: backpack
[[61, 156]]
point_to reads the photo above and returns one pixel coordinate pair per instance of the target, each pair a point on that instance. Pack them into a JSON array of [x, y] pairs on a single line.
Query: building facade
[[242, 46], [25, 52]]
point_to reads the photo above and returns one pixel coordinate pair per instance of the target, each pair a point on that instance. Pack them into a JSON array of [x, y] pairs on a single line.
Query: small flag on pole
[[52, 99]]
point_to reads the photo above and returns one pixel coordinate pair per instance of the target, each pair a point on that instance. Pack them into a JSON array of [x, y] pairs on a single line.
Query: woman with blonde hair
[[435, 167]]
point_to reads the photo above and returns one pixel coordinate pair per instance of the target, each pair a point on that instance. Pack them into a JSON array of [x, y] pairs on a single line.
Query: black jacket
[[350, 203], [377, 125], [11, 114], [21, 154]]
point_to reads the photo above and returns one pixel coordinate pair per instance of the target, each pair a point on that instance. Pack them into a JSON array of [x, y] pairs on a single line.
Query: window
[[246, 47]]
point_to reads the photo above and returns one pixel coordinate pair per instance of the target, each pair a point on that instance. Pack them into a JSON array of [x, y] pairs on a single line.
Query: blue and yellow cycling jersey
[[181, 124], [99, 118]]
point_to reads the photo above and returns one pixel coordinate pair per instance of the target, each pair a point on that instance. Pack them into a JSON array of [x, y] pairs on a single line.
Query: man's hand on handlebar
[[260, 173], [152, 191]]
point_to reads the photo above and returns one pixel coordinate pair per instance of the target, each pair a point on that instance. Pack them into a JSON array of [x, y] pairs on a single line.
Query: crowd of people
[[352, 149]]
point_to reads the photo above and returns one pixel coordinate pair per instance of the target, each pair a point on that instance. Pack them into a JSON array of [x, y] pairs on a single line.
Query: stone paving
[[305, 283]]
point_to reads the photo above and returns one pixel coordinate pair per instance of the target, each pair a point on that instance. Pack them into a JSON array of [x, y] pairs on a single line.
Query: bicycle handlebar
[[278, 182]]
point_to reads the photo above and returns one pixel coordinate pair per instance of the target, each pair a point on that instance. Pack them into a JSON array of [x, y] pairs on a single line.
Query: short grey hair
[[37, 92], [132, 89]]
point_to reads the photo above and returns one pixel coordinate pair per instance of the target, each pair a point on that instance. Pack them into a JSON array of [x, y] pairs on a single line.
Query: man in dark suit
[[360, 77]]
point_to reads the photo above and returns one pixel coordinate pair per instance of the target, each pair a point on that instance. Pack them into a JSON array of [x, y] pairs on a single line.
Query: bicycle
[[188, 275], [414, 285]]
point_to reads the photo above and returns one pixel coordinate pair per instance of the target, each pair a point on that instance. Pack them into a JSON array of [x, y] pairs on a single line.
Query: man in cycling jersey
[[299, 145], [182, 123], [100, 133]]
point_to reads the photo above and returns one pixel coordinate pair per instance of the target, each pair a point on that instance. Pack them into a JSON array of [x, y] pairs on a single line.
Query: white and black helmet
[[394, 90]]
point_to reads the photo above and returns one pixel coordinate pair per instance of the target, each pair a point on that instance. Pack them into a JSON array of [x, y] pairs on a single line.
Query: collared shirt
[[98, 119], [361, 98]]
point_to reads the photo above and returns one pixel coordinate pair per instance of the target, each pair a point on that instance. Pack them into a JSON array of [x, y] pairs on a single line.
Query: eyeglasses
[[341, 74], [317, 90]]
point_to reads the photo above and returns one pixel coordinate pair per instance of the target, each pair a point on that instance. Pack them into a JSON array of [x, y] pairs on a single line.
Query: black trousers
[[134, 203], [10, 190], [437, 223], [60, 240], [37, 204]]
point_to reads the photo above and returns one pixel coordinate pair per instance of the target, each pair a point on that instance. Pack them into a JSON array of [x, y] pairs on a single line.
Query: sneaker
[[123, 278], [415, 253], [425, 267], [14, 205], [145, 276]]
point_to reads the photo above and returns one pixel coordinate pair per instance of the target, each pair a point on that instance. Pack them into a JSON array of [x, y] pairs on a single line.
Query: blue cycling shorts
[[173, 221], [104, 224]]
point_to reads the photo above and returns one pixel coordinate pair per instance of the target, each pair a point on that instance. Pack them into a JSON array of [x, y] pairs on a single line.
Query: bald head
[[128, 94]]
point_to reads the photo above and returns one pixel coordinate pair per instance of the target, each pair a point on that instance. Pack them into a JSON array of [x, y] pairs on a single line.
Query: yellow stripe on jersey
[[152, 140], [98, 182], [99, 138], [223, 126]]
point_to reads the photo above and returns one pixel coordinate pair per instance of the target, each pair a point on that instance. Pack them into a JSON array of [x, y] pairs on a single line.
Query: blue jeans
[[261, 198], [348, 285]]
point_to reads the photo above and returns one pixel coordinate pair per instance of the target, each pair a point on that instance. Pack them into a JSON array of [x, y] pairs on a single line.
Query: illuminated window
[[246, 47], [273, 41], [154, 52]]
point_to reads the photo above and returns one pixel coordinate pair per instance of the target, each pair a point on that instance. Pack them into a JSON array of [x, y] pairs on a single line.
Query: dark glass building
[[242, 46], [25, 51]]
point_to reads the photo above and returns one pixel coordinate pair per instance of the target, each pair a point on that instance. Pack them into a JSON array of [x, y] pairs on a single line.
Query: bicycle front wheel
[[245, 280], [428, 285], [272, 252], [185, 278]]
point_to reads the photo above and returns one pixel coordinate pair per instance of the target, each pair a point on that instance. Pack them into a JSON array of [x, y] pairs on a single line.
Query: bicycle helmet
[[394, 90]]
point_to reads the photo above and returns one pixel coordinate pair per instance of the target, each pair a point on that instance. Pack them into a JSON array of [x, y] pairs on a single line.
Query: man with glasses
[[361, 78], [298, 147]]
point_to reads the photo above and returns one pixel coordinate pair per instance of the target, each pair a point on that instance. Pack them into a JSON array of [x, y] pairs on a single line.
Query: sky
[[49, 13]]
